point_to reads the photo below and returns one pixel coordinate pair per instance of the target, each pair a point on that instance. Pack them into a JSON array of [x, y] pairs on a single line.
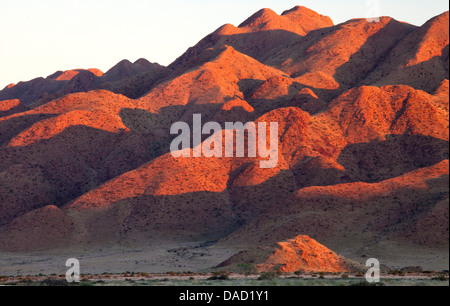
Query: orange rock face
[[67, 75], [10, 107], [96, 72], [304, 254]]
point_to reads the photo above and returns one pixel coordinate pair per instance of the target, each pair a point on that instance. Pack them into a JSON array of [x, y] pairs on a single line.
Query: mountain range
[[363, 113]]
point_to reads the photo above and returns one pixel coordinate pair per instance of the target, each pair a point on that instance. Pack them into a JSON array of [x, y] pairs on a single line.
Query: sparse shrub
[[219, 275], [441, 277], [26, 282], [417, 269], [54, 282], [247, 269]]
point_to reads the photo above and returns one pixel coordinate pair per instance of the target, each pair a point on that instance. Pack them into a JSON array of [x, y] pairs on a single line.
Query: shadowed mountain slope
[[420, 60]]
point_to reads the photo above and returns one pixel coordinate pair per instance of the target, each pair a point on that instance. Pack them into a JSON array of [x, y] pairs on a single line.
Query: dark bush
[[219, 276], [54, 282]]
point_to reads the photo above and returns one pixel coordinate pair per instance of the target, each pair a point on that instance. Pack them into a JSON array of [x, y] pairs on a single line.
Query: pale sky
[[38, 38]]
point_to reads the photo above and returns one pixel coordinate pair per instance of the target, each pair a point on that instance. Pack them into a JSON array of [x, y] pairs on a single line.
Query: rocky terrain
[[363, 135]]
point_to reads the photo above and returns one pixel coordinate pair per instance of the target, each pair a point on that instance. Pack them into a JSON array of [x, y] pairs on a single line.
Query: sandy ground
[[163, 257], [198, 257], [396, 257]]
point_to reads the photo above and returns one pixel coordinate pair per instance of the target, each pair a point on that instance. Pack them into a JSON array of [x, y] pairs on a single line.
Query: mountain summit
[[299, 20], [260, 34]]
